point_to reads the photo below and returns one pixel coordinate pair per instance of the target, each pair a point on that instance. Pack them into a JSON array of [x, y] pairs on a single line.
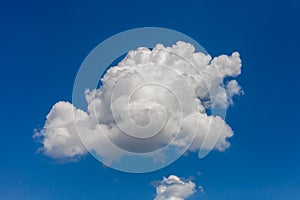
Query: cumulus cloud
[[152, 97], [174, 188], [59, 136]]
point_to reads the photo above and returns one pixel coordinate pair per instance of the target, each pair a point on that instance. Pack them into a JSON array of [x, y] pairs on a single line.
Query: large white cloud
[[174, 188], [162, 93]]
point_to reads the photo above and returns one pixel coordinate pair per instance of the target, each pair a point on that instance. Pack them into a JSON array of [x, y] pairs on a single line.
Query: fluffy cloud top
[[152, 97], [174, 188]]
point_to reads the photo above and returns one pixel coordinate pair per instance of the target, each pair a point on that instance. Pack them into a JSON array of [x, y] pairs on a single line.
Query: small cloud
[[201, 189], [199, 173], [174, 188]]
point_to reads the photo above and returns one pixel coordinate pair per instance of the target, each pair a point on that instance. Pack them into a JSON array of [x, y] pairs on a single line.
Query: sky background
[[44, 42]]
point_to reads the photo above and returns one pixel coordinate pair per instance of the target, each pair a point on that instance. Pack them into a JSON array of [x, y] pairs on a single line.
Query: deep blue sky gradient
[[44, 42]]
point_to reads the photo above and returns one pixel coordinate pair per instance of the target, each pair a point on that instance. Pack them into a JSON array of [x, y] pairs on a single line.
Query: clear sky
[[44, 42]]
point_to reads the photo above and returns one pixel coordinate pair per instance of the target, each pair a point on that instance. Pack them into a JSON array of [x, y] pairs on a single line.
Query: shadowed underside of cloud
[[167, 89], [174, 188]]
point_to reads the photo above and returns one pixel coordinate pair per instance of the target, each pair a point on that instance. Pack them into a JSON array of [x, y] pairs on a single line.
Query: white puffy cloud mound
[[174, 188], [150, 99]]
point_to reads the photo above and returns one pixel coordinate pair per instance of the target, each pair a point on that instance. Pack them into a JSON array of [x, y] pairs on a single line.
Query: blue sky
[[44, 43]]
